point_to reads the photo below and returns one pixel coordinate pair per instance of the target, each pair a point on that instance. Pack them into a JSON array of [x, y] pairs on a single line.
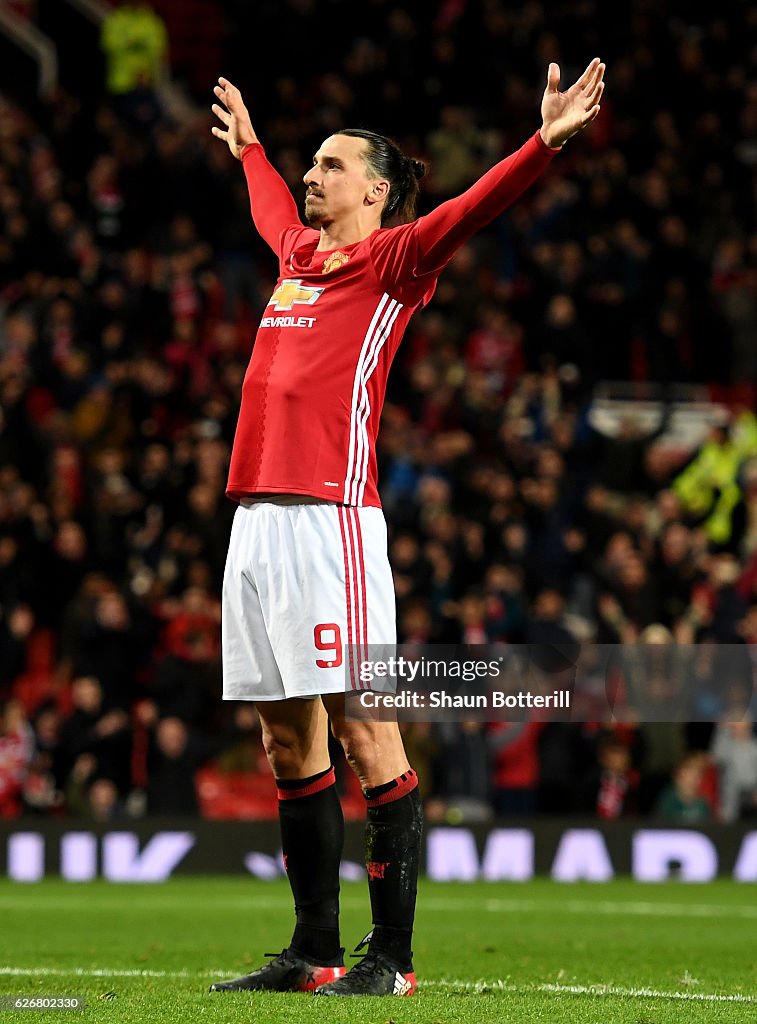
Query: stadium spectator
[[16, 627], [183, 683], [95, 738], [176, 751], [102, 800], [16, 751], [682, 801], [41, 794], [175, 755], [734, 751], [614, 796], [463, 762], [514, 747], [135, 43]]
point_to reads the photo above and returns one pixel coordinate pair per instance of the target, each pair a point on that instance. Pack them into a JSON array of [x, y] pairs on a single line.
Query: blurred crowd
[[131, 281]]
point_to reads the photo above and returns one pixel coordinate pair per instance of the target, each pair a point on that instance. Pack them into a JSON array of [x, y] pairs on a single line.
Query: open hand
[[239, 131], [565, 113]]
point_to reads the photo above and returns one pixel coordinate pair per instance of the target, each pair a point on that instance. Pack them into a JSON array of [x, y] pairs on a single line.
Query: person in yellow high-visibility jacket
[[135, 42], [709, 488]]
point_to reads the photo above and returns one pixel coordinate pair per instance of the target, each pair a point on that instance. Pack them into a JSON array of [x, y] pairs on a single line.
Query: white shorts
[[304, 586]]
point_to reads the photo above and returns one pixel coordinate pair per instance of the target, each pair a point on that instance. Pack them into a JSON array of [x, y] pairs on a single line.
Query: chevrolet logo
[[293, 291]]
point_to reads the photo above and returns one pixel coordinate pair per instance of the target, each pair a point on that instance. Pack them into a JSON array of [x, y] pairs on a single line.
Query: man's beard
[[314, 217]]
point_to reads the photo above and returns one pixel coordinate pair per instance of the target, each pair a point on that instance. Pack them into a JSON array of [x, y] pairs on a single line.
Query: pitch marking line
[[636, 908], [482, 987], [94, 972], [446, 984]]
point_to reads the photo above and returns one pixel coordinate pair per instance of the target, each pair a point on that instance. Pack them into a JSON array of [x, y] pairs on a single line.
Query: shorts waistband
[[250, 500]]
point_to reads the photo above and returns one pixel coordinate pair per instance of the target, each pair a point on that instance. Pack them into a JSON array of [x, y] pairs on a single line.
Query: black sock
[[392, 853], [312, 837]]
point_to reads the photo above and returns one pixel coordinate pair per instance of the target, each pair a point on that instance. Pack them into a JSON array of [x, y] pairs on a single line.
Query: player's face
[[338, 185]]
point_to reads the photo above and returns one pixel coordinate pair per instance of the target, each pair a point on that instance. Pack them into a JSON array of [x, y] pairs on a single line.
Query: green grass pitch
[[618, 953]]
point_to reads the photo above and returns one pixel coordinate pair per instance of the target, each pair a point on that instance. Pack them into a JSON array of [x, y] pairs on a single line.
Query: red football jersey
[[315, 385]]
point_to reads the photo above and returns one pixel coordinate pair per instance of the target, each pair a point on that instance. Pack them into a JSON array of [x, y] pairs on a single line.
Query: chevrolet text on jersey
[[287, 321]]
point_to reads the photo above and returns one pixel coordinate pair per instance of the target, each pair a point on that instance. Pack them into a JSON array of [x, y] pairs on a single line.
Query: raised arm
[[441, 232], [272, 205]]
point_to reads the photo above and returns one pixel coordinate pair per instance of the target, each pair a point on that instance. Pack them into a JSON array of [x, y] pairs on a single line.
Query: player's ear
[[378, 191]]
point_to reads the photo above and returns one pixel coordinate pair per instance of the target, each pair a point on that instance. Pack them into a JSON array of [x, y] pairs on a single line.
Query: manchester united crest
[[335, 261]]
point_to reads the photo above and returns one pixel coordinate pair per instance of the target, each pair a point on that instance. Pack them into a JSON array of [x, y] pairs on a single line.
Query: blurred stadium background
[[569, 436]]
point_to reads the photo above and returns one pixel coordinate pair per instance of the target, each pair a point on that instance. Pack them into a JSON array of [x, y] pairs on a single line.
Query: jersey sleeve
[[423, 248], [274, 210]]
